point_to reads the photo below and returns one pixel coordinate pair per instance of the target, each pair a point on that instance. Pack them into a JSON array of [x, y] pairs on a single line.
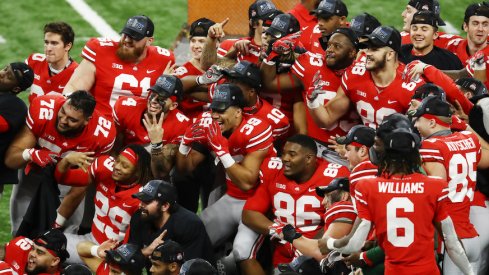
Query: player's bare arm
[[209, 52], [82, 79], [256, 221], [25, 139], [435, 169], [273, 82], [330, 113], [245, 174], [299, 117]]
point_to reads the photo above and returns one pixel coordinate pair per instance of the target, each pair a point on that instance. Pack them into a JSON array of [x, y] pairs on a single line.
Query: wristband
[[269, 63], [330, 244], [184, 149], [157, 146], [314, 104], [227, 160], [197, 80], [60, 220], [26, 155], [93, 250]]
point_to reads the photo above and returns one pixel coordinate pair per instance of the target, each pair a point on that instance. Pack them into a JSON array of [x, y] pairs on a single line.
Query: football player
[[112, 260], [154, 122], [54, 68], [393, 202], [115, 180], [454, 157], [56, 125], [127, 67], [288, 190]]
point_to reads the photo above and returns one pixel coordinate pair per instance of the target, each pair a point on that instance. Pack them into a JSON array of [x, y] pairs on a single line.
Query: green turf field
[[21, 24]]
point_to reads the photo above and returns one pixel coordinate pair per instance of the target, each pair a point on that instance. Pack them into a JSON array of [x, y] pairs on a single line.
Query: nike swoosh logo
[[81, 147], [125, 205], [312, 189], [149, 71], [61, 87], [391, 101], [215, 146], [305, 27]]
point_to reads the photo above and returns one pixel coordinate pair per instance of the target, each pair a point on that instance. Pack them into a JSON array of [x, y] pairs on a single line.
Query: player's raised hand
[[170, 69], [413, 71], [154, 126], [109, 244], [216, 140], [478, 61], [316, 89], [243, 46], [217, 30], [212, 75], [80, 159], [41, 157]]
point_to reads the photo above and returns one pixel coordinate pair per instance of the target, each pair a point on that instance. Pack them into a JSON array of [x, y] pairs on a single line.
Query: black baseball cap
[[383, 36], [246, 72], [168, 85], [392, 122], [364, 24], [157, 190], [401, 140], [341, 183], [426, 90], [168, 252], [425, 17], [282, 25], [225, 96], [197, 267], [127, 256], [76, 269], [264, 10], [428, 5], [434, 105], [55, 241], [23, 74], [348, 32], [139, 27], [476, 9], [474, 86], [200, 27], [360, 134], [328, 8], [302, 265]]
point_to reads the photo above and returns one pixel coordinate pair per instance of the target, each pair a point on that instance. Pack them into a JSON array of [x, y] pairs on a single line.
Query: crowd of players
[[316, 145]]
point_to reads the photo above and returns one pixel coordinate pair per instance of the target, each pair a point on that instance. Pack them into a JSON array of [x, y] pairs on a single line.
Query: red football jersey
[[374, 103], [103, 269], [403, 209], [284, 101], [115, 77], [45, 83], [442, 41], [190, 107], [225, 46], [17, 253], [339, 211], [459, 47], [364, 170], [291, 202], [266, 112], [5, 269], [459, 152], [128, 115], [305, 67], [98, 136], [314, 45], [114, 206]]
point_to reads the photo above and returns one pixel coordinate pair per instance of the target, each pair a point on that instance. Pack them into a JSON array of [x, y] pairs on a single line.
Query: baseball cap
[[337, 183], [168, 252], [55, 241], [245, 71], [197, 267], [302, 265], [76, 269], [264, 10], [426, 90], [225, 96], [433, 105], [200, 27], [383, 36], [23, 74], [476, 9], [157, 190], [358, 135], [425, 17], [364, 24], [127, 256], [392, 122], [474, 86], [139, 27], [428, 5], [328, 8], [348, 32], [401, 140], [282, 25], [168, 85]]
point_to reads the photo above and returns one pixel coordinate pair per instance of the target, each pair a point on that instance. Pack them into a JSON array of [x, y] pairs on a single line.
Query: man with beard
[[115, 179], [375, 88], [288, 190], [42, 255], [128, 67], [55, 125], [54, 68], [160, 218], [154, 122]]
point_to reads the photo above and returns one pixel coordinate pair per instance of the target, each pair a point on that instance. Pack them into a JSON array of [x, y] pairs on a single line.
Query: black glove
[[290, 234]]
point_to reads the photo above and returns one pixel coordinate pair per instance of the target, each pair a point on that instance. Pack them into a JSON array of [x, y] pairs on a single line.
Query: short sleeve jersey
[[342, 211], [305, 67], [189, 106], [459, 47], [45, 83], [460, 153], [128, 115], [17, 253], [98, 135], [114, 206], [363, 170], [274, 117], [442, 41], [291, 202], [393, 205], [374, 103], [5, 269], [114, 77]]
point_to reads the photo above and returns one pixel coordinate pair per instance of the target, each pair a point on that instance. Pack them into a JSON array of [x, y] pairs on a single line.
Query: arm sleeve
[[358, 238], [454, 248], [374, 256]]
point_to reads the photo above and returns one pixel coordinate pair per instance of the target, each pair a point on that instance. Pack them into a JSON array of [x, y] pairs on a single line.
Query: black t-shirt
[[14, 111], [183, 227], [440, 58]]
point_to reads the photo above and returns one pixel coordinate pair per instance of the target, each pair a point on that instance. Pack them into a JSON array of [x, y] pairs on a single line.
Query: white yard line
[[2, 40], [92, 17], [449, 28]]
